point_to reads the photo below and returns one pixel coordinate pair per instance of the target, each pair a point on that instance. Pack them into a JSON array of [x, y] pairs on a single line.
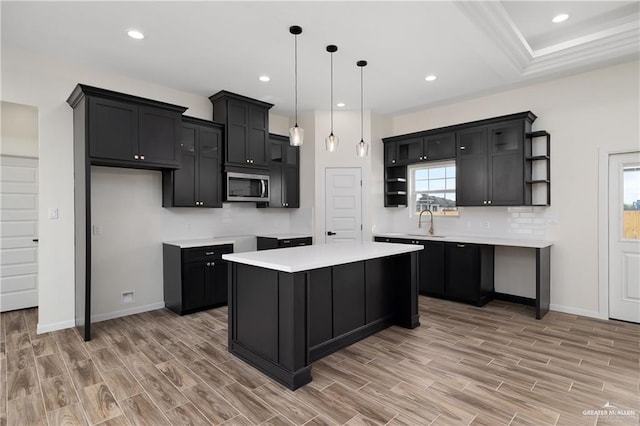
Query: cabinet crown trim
[[82, 90], [200, 121], [528, 115], [229, 95]]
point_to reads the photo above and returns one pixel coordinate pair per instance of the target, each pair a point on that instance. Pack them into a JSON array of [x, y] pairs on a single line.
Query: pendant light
[[296, 134], [362, 149], [331, 141]]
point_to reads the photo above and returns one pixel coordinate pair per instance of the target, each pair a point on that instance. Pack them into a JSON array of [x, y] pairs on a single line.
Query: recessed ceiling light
[[264, 78], [560, 18], [340, 104], [135, 34], [430, 77]]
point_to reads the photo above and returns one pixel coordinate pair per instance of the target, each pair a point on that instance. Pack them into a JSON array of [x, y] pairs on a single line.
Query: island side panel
[[380, 282], [405, 271], [293, 327], [543, 281]]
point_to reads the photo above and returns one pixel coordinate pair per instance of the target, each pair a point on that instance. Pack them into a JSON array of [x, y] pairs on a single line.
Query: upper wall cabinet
[[496, 161], [127, 131], [198, 181], [284, 173], [246, 123]]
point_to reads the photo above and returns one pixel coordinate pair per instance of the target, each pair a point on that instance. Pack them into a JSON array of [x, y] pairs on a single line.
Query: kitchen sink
[[424, 236]]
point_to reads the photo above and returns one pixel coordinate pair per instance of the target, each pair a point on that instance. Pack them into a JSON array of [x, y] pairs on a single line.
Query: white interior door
[[624, 237], [343, 204], [19, 229]]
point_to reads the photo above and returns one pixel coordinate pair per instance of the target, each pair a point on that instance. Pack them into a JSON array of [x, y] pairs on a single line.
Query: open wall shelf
[[538, 167]]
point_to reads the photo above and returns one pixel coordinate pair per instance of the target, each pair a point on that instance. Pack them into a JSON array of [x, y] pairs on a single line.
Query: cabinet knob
[[251, 161], [393, 161], [246, 161], [461, 245], [489, 202], [484, 202], [463, 147], [421, 157], [136, 157], [142, 157]]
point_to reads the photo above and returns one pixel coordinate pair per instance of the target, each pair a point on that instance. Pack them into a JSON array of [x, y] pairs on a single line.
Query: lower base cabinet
[[195, 278], [469, 273], [455, 271], [268, 243]]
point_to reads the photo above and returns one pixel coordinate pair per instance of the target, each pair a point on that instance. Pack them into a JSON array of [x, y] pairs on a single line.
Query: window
[[433, 187]]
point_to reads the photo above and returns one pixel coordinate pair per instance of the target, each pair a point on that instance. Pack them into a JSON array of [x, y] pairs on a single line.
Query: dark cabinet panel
[[122, 132], [471, 167], [320, 306], [506, 164], [431, 267], [113, 129], [284, 173], [348, 297], [194, 278], [379, 295], [469, 272], [439, 146], [410, 151], [390, 153], [268, 243], [247, 129], [198, 182], [159, 133]]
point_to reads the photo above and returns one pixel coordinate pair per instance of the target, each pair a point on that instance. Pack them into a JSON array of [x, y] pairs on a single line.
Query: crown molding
[[620, 41]]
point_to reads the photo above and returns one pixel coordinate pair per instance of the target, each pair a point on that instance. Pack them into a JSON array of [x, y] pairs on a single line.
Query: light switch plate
[[53, 213]]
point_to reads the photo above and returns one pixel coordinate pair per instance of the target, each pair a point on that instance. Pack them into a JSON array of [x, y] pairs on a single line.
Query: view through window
[[434, 188]]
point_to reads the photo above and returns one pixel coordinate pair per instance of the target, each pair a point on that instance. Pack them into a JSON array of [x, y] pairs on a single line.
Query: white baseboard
[[125, 312], [576, 311], [46, 328]]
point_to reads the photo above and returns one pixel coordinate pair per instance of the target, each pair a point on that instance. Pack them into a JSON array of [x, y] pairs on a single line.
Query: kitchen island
[[290, 307]]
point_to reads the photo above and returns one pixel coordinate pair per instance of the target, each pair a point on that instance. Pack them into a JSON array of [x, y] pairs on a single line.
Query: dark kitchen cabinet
[[246, 123], [469, 272], [273, 242], [127, 131], [390, 153], [490, 164], [198, 182], [439, 146], [284, 173], [195, 278], [430, 264]]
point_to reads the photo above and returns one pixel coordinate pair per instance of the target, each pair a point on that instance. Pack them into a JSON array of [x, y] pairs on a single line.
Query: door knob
[[331, 233]]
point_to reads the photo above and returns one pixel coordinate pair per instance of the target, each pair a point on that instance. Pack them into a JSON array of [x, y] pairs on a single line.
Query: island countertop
[[304, 258]]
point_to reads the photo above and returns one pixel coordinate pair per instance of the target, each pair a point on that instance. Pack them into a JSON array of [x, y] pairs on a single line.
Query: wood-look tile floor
[[495, 365]]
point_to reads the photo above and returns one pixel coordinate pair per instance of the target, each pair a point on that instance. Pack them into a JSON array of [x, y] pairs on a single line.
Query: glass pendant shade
[[331, 142], [362, 148], [296, 136]]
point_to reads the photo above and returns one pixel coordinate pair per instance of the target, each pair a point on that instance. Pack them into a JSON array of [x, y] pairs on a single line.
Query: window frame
[[411, 190]]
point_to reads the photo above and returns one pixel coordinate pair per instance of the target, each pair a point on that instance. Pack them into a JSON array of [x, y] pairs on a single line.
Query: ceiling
[[202, 47]]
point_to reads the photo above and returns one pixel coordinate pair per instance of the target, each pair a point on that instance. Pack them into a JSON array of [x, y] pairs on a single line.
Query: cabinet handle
[[461, 245], [286, 241], [210, 253], [136, 157], [142, 157]]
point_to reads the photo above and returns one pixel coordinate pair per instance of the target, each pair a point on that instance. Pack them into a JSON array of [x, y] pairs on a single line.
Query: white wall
[[19, 130], [583, 113], [126, 203]]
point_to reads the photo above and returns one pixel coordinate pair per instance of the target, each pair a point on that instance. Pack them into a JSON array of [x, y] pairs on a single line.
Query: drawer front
[[294, 242], [206, 252]]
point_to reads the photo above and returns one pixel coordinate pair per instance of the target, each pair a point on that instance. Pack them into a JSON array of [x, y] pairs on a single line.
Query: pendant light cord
[[332, 93], [361, 106], [295, 73]]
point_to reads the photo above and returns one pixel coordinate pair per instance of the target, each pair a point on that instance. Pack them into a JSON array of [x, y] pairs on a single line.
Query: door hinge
[[360, 182], [361, 228]]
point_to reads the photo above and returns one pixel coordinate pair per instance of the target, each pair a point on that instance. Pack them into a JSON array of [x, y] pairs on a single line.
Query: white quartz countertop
[[284, 236], [305, 258], [492, 241]]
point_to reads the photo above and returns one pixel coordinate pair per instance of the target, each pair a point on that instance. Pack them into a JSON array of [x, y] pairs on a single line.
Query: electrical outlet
[[127, 297], [96, 229]]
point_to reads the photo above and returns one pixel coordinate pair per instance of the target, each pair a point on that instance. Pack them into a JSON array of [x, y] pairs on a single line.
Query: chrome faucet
[[431, 224]]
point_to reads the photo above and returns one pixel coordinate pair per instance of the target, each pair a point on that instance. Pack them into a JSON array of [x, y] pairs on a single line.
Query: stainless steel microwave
[[247, 187]]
